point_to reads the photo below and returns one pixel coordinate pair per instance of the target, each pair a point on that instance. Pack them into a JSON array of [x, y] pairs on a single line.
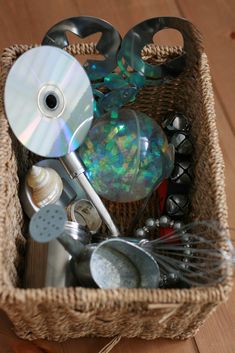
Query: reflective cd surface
[[49, 101]]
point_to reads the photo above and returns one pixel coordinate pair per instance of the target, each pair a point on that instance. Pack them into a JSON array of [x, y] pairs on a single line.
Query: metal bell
[[177, 205], [176, 122], [182, 143], [182, 173]]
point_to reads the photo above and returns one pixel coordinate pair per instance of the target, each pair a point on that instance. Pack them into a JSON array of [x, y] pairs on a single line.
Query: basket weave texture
[[62, 313]]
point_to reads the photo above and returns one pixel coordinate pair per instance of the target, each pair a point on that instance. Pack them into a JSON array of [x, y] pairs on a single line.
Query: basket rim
[[122, 296]]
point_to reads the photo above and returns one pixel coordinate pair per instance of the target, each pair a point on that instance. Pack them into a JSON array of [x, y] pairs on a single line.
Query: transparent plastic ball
[[126, 156]]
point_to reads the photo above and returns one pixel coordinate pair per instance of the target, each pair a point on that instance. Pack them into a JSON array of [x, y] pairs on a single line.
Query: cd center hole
[[51, 101]]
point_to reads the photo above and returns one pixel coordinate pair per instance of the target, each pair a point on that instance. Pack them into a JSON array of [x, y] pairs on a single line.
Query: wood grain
[[26, 21], [218, 334], [216, 20]]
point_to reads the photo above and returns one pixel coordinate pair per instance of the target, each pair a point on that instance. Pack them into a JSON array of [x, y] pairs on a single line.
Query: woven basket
[[58, 314]]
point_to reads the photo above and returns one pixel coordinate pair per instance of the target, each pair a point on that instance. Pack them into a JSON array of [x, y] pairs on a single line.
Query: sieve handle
[[76, 170]]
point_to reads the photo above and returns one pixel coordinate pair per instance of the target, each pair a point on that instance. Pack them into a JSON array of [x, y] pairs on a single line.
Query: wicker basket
[[58, 314]]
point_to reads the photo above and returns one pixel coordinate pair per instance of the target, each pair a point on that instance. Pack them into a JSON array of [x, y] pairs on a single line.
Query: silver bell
[[177, 205], [176, 122]]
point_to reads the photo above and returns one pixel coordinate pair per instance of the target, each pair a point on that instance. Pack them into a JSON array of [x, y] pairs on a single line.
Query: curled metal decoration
[[141, 35], [84, 26]]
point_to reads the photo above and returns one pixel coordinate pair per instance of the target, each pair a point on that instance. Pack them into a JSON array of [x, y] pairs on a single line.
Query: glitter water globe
[[126, 156]]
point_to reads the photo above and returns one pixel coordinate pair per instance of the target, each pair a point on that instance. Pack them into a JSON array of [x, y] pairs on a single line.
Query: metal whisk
[[199, 254]]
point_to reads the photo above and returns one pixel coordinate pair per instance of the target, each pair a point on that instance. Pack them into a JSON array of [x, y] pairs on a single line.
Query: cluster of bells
[[177, 128], [126, 154]]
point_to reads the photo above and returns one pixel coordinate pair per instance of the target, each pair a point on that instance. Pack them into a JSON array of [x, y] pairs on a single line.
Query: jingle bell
[[177, 205], [182, 173], [182, 143], [175, 122]]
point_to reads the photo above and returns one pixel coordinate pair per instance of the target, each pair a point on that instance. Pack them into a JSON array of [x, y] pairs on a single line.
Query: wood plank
[[10, 343], [31, 20], [132, 345], [216, 20], [217, 336], [227, 141]]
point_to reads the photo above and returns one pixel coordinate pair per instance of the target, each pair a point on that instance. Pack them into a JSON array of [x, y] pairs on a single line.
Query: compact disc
[[49, 101]]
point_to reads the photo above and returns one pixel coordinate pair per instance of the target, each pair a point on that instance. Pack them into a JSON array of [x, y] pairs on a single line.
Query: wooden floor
[[26, 21]]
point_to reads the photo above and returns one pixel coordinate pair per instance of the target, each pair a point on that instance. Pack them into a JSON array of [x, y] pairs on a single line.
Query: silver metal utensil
[[111, 264], [52, 259], [198, 254], [56, 111], [76, 171]]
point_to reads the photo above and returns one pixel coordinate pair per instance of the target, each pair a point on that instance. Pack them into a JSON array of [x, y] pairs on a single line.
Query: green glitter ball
[[126, 156]]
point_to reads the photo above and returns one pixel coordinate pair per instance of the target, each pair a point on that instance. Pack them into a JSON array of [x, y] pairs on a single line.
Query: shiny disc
[[49, 101]]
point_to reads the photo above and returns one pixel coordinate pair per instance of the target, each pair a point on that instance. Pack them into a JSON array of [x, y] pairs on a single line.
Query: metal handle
[[76, 170], [73, 246]]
